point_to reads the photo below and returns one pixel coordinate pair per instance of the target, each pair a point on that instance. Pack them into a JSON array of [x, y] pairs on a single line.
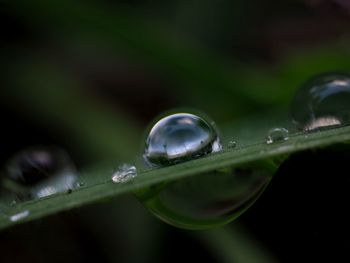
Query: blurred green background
[[90, 76]]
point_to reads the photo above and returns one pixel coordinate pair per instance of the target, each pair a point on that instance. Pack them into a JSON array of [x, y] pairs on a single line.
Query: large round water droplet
[[210, 199], [323, 101], [204, 200], [39, 172], [180, 137]]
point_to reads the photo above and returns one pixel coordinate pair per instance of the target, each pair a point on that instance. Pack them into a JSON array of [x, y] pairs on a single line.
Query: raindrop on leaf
[[323, 101], [277, 135], [180, 137], [125, 173], [204, 200]]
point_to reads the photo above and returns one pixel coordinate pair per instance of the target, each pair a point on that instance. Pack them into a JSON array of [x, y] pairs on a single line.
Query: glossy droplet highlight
[[277, 135], [39, 172], [324, 101], [80, 184], [180, 137], [19, 216], [210, 199], [125, 173], [232, 144]]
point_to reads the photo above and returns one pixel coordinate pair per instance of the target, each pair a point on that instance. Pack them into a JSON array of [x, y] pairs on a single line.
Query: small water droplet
[[324, 101], [39, 172], [125, 173], [180, 137], [19, 216], [80, 184], [277, 135], [232, 144]]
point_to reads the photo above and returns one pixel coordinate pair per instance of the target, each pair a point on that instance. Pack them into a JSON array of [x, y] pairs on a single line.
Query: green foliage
[[100, 185], [43, 87]]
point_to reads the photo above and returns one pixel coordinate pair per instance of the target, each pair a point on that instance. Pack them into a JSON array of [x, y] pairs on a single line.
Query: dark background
[[89, 76]]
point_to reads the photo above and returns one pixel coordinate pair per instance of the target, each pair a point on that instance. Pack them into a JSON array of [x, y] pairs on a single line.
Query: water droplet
[[324, 101], [206, 200], [232, 144], [39, 172], [125, 173], [80, 184], [277, 135], [209, 199], [180, 137], [19, 216]]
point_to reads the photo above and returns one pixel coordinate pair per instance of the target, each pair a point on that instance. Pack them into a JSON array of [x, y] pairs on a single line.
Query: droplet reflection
[[209, 199]]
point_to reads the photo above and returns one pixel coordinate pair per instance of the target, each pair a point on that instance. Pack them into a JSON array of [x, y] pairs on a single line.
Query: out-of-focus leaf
[[54, 99]]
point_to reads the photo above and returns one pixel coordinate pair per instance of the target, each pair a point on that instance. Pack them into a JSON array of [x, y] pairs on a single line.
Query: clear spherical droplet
[[125, 173], [324, 101], [39, 172], [209, 199], [277, 135], [204, 200], [180, 137]]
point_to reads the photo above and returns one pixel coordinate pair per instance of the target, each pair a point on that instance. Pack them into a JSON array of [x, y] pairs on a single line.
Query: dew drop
[[204, 200], [324, 101], [19, 216], [39, 172], [80, 184], [232, 144], [277, 135], [125, 173], [180, 137]]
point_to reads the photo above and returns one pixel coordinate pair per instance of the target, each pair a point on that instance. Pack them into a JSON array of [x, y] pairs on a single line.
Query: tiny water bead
[[39, 172], [80, 184], [125, 173], [324, 101], [210, 199], [180, 137], [277, 135], [232, 144]]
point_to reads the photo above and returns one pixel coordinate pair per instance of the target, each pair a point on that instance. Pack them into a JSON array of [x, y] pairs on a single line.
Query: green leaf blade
[[105, 188]]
